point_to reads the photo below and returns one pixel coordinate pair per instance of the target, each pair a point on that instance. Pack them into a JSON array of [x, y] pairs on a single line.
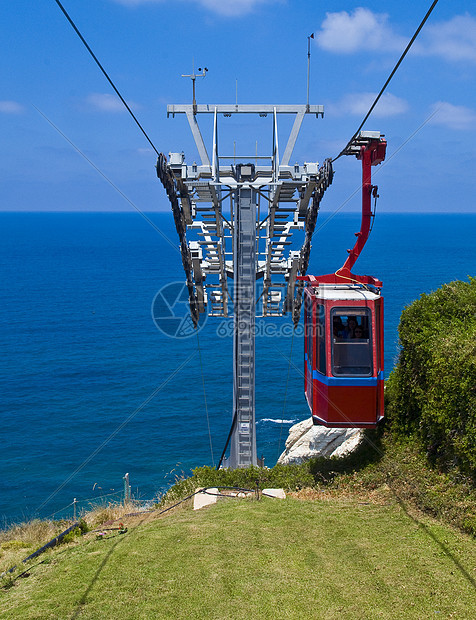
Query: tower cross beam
[[247, 243]]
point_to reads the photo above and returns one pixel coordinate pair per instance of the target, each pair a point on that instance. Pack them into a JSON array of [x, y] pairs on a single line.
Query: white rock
[[306, 441], [297, 431], [350, 444]]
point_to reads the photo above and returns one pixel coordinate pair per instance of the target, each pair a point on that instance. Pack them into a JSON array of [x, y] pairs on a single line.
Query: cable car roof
[[345, 292]]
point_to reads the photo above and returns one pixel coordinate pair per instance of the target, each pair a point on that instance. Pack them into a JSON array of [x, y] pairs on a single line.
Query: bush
[[293, 477], [289, 477], [432, 390], [71, 536]]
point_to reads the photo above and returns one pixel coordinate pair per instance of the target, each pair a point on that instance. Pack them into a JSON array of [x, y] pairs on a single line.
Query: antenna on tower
[[193, 77], [311, 36]]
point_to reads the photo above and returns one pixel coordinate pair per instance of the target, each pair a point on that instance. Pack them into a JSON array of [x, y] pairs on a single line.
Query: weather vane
[[193, 77]]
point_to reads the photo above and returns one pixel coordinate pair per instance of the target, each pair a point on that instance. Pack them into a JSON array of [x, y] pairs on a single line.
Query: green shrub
[[312, 473], [432, 390], [289, 477], [70, 536]]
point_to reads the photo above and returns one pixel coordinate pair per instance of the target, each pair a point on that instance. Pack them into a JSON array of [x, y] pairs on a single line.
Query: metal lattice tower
[[244, 210]]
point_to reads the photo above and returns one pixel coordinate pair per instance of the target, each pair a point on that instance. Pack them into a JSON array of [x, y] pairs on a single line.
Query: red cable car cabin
[[343, 354], [343, 319]]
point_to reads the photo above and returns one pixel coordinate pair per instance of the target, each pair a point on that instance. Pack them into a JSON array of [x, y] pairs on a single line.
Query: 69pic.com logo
[[171, 311], [171, 315]]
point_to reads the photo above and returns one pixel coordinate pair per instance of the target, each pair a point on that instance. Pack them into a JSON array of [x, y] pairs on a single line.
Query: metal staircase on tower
[[236, 217]]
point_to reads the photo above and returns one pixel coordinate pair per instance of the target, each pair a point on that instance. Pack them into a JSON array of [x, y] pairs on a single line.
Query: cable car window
[[309, 329], [351, 342], [321, 339]]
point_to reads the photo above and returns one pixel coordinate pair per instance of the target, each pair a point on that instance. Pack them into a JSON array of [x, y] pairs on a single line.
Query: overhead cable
[[205, 400], [233, 424], [106, 74], [417, 32], [285, 397]]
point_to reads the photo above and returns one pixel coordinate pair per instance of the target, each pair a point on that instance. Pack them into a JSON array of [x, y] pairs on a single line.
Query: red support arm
[[370, 154]]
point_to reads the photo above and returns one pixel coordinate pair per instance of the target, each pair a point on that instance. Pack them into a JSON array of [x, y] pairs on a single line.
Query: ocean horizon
[[91, 389]]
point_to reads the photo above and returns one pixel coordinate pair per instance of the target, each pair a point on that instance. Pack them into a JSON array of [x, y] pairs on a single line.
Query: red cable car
[[343, 319]]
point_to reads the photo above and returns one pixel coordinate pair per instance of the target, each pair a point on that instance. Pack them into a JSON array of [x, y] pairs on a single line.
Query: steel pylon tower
[[244, 210]]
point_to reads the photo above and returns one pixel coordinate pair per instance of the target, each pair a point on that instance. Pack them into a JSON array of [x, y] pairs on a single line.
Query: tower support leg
[[243, 439]]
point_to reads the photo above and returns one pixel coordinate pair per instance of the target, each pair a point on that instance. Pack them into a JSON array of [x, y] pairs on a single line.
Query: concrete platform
[[278, 493], [200, 500]]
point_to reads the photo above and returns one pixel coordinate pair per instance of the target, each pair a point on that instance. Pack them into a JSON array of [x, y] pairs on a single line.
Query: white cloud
[[108, 103], [452, 40], [364, 30], [227, 8], [11, 107], [457, 117], [345, 33], [231, 8], [358, 104]]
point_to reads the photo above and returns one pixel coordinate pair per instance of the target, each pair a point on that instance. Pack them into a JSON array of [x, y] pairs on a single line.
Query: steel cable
[[83, 40], [205, 399], [412, 40], [285, 395]]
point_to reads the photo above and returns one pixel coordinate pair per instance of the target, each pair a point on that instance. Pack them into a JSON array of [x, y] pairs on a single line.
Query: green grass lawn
[[259, 559]]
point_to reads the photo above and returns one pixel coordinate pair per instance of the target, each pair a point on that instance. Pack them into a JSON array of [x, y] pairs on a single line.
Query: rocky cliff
[[306, 441]]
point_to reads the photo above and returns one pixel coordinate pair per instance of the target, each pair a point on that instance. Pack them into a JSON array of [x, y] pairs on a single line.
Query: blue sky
[[256, 48]]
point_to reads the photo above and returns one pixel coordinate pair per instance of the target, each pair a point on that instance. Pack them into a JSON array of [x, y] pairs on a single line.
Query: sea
[[98, 381]]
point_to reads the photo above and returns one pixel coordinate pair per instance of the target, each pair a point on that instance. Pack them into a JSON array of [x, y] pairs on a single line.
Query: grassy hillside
[[383, 461], [357, 538], [314, 558]]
